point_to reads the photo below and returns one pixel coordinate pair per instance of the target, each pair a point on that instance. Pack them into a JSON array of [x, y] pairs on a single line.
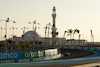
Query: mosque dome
[[30, 34]]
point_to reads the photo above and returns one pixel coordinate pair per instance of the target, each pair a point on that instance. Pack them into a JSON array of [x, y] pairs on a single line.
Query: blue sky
[[71, 14]]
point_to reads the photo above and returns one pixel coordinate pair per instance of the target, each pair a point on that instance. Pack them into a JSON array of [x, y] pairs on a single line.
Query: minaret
[[54, 27]]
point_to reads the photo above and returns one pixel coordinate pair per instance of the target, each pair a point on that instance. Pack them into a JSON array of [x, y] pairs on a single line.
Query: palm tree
[[56, 34], [78, 31], [14, 36], [74, 32], [2, 46], [13, 42], [64, 33], [70, 31]]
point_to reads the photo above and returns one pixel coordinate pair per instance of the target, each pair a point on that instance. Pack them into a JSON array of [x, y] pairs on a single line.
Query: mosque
[[34, 36], [28, 36]]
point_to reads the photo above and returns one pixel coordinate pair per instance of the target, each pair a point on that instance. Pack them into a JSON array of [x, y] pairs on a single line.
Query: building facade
[[30, 35]]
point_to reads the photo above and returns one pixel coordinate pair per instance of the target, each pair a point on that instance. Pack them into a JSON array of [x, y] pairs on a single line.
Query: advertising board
[[41, 53], [47, 58], [85, 48], [23, 60], [54, 57], [65, 47], [78, 47], [54, 52], [10, 55], [37, 59], [32, 54], [29, 54], [59, 55], [47, 52], [7, 61], [92, 48], [72, 47], [51, 52]]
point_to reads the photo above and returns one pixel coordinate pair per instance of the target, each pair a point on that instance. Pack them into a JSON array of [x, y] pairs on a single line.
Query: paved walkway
[[95, 64]]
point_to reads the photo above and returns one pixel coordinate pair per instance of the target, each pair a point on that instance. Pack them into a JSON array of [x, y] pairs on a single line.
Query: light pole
[[12, 31], [36, 28], [33, 30], [64, 36], [36, 35], [48, 31], [79, 39], [24, 31], [1, 32], [13, 36], [45, 34], [6, 31], [92, 37]]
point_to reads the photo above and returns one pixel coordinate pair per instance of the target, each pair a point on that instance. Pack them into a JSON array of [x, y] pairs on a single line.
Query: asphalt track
[[72, 61], [77, 57], [75, 53]]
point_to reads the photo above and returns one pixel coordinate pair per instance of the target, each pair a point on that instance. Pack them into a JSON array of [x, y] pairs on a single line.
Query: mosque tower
[[54, 19]]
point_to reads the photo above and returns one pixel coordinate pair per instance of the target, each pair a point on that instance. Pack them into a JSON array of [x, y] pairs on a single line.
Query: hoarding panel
[[29, 54], [41, 53], [47, 58], [7, 61], [54, 57], [54, 52], [37, 59], [51, 52], [32, 54], [23, 60], [10, 55], [47, 53]]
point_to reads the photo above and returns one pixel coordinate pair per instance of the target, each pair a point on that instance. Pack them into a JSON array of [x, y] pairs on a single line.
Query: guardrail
[[83, 48]]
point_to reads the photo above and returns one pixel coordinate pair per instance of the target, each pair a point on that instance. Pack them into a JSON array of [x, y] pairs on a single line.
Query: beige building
[[28, 36]]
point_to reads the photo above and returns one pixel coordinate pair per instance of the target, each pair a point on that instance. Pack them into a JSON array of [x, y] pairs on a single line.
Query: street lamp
[[92, 37], [36, 28], [24, 31], [33, 30], [6, 31], [64, 37], [13, 35], [48, 31], [1, 32], [45, 34], [79, 39], [12, 31]]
